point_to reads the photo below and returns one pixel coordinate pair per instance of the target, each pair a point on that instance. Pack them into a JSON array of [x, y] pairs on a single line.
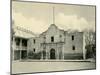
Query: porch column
[[27, 48], [13, 47], [20, 48]]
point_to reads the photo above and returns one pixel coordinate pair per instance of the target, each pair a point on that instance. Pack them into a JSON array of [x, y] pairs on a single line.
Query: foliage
[[32, 55], [91, 51], [90, 46]]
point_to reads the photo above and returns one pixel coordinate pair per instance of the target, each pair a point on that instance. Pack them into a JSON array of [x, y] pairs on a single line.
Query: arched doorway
[[52, 54]]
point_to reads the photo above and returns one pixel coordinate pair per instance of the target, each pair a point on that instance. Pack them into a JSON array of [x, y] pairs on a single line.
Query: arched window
[[52, 54]]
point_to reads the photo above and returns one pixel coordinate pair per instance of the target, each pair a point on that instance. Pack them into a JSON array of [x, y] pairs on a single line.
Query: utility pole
[[53, 15]]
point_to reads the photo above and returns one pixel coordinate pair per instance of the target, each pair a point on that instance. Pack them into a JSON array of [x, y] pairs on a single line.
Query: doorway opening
[[52, 54], [23, 54]]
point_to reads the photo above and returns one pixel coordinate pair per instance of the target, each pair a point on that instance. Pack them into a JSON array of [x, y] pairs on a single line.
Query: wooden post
[[13, 47], [27, 49], [20, 48]]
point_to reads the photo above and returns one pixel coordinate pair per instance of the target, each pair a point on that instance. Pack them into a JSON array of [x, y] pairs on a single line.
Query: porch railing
[[21, 48]]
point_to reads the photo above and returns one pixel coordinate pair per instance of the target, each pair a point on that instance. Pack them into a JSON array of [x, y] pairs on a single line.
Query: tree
[[90, 39]]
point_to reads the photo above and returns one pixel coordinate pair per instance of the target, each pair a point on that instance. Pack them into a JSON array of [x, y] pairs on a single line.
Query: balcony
[[21, 48], [24, 48]]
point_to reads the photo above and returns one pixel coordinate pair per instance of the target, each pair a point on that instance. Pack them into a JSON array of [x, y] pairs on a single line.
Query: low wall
[[73, 56]]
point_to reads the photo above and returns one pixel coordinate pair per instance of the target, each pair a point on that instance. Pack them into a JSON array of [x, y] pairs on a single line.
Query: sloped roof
[[21, 32], [69, 31]]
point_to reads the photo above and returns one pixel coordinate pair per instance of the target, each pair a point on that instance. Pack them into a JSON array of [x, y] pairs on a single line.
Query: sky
[[37, 17]]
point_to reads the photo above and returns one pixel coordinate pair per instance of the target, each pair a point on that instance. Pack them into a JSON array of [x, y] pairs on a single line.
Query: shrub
[[32, 55], [91, 51]]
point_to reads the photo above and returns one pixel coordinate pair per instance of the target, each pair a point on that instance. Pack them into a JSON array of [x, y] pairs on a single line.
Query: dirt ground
[[27, 67]]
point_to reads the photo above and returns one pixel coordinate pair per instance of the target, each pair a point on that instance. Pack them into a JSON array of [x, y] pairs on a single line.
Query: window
[[44, 39], [34, 41], [24, 42], [52, 39], [34, 50], [17, 41], [72, 37], [73, 47], [60, 36]]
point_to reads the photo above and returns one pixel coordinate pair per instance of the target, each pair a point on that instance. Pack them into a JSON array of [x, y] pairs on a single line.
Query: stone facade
[[58, 44]]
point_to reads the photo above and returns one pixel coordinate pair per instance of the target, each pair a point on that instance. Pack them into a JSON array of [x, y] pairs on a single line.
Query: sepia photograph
[[52, 37]]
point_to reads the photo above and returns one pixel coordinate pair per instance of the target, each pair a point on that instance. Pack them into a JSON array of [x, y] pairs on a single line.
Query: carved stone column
[[47, 49], [41, 51], [49, 52], [46, 52], [57, 51], [63, 52]]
